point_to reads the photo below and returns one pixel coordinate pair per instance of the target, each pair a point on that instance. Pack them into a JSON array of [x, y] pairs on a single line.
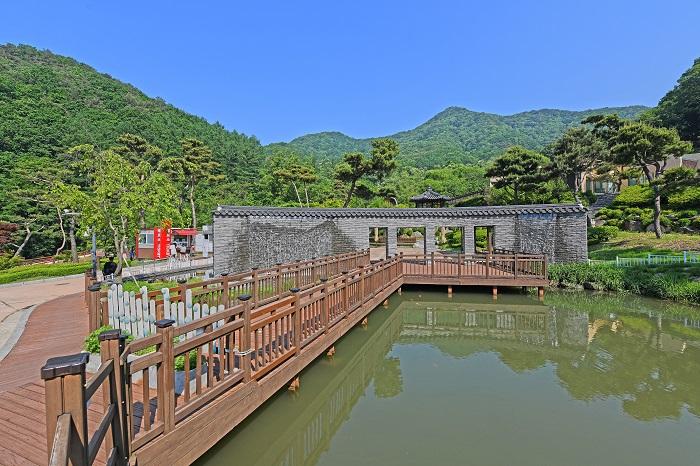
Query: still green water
[[580, 379]]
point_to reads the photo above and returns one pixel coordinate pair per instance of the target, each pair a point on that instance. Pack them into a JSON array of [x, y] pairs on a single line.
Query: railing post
[[488, 264], [324, 304], [254, 285], [166, 375], [432, 264], [515, 265], [362, 284], [112, 344], [245, 338], [296, 275], [224, 290], [64, 382], [346, 294], [297, 320], [94, 317], [279, 280]]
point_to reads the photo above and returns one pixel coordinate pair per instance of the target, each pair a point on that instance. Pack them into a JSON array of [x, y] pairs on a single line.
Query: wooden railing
[[72, 439], [488, 266], [137, 312], [258, 330]]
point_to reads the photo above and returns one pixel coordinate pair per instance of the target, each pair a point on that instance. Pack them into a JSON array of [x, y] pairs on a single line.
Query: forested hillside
[[460, 135], [50, 103]]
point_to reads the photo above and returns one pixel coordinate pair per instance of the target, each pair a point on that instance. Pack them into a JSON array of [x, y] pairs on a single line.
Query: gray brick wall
[[242, 242]]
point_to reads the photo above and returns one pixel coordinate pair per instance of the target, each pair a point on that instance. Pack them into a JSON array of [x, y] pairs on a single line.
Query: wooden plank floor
[[56, 327], [23, 423]]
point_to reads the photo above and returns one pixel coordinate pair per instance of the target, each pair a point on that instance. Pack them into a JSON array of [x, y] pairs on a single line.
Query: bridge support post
[[494, 292], [449, 291], [540, 292]]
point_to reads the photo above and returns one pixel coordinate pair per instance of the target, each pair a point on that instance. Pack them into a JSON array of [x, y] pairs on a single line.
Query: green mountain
[[460, 135], [49, 103]]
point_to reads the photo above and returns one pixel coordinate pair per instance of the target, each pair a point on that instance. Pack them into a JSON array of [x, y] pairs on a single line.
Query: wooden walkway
[[55, 327], [278, 336]]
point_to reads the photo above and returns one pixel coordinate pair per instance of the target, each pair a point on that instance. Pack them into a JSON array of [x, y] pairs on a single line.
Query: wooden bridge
[[168, 397]]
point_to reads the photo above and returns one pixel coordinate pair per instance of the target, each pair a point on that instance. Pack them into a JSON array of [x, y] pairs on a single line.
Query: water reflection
[[636, 352]]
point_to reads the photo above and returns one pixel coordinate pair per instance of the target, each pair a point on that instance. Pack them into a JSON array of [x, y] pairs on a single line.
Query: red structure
[[154, 243]]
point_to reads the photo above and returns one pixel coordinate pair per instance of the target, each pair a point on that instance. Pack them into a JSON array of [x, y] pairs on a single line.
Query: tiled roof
[[481, 211], [430, 195]]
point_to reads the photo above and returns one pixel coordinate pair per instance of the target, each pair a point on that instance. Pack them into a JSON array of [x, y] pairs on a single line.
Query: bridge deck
[[223, 386]]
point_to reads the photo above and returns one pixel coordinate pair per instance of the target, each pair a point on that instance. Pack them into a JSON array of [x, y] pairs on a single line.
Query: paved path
[[57, 327], [18, 299]]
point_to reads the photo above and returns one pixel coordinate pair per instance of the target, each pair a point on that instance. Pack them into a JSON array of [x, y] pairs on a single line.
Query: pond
[[578, 379]]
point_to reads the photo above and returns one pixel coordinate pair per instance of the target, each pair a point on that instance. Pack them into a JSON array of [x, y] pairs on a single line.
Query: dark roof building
[[430, 198]]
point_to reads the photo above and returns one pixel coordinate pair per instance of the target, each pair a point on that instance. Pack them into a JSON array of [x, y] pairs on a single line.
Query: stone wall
[[262, 237]]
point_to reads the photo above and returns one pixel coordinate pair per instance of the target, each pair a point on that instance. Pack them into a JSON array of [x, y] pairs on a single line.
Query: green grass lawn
[[37, 271], [632, 244]]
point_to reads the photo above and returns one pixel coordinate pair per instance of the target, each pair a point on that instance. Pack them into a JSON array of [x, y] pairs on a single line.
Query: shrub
[[635, 196], [7, 261], [180, 361], [28, 272], [92, 341], [687, 198], [598, 235]]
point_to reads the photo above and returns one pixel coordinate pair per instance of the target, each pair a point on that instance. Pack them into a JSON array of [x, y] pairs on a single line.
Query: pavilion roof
[[429, 195]]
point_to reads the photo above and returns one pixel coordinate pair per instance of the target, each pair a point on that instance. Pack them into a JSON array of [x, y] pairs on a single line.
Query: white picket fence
[[652, 259], [136, 313]]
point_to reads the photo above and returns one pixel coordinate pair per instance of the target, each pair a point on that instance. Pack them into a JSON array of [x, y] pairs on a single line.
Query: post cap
[[182, 281], [224, 274], [164, 323], [94, 287], [279, 263], [113, 334], [324, 279], [244, 297], [344, 272], [64, 365], [295, 290], [253, 268]]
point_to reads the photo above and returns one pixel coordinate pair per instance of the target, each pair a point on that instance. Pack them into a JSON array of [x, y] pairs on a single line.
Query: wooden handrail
[[238, 346], [58, 455]]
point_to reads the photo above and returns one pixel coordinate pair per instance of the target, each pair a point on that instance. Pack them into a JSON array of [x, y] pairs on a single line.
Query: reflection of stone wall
[[572, 328], [261, 237]]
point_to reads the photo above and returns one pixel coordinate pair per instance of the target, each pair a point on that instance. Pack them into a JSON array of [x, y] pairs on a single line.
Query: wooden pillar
[[449, 291], [279, 280], [540, 292], [432, 264], [346, 294], [494, 292], [254, 285], [362, 285], [224, 290], [297, 321], [166, 375], [64, 382], [324, 304], [112, 344], [94, 307], [246, 349]]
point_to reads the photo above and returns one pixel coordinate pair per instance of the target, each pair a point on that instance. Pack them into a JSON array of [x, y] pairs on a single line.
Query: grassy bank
[[633, 244], [675, 282]]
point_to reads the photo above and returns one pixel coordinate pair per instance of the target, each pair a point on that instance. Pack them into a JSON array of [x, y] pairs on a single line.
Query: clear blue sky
[[370, 68]]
